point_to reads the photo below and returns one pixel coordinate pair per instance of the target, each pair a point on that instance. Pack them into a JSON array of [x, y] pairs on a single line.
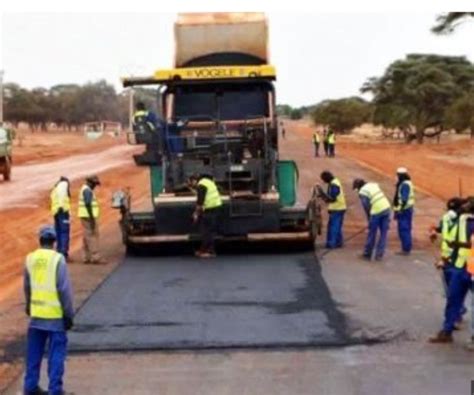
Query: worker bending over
[[60, 209], [403, 203], [206, 213], [460, 280], [377, 209], [336, 200], [49, 305]]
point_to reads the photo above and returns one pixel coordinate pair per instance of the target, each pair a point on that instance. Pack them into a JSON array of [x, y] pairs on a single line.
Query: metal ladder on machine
[[232, 199]]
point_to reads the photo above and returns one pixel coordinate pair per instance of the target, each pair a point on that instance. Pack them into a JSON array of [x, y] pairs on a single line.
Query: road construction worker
[[316, 142], [331, 143], [49, 305], [403, 203], [448, 227], [144, 120], [377, 208], [336, 200], [60, 209], [206, 213], [461, 275], [325, 142], [88, 212]]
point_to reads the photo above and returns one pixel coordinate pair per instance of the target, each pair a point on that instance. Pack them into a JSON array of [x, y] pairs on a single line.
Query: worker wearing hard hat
[[335, 198], [206, 213], [403, 203], [377, 208], [88, 212], [60, 208], [49, 305], [461, 277], [316, 142]]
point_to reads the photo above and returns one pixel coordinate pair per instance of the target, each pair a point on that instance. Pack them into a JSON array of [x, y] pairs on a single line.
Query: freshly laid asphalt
[[262, 300]]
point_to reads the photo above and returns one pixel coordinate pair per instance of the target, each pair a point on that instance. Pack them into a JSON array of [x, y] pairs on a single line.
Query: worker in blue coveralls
[[461, 278], [377, 208], [335, 198], [403, 205], [49, 305]]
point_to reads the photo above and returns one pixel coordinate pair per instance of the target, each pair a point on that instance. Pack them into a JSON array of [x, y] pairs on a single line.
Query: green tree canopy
[[460, 114], [414, 92], [342, 115], [446, 23]]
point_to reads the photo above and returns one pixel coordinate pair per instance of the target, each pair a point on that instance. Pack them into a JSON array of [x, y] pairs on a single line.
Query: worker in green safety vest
[[316, 142], [331, 138], [206, 213]]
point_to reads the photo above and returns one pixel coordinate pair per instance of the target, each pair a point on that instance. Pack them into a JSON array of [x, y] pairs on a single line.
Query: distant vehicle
[[95, 130], [6, 137]]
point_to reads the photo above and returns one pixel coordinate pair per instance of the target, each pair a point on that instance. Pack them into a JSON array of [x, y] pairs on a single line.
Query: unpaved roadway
[[399, 301]]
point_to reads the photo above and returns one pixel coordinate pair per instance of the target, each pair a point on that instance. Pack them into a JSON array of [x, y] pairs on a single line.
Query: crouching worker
[[206, 213], [48, 297]]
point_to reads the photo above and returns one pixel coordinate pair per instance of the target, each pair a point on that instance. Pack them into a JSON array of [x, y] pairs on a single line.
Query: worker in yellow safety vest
[[377, 209], [206, 213], [316, 142], [461, 277], [331, 137], [336, 200], [403, 205], [49, 305], [88, 212], [60, 209]]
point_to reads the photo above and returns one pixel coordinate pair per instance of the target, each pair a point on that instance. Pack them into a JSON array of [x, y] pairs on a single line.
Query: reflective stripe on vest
[[213, 197], [316, 138], [449, 229], [411, 196], [340, 203], [42, 267], [462, 237], [56, 204], [82, 210], [378, 200], [332, 138]]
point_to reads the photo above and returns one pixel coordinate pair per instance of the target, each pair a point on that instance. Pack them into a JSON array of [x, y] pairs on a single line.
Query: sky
[[318, 56]]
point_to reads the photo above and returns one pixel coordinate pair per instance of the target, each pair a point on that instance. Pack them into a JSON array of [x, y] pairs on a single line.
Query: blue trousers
[[62, 227], [447, 273], [405, 220], [377, 224], [57, 346], [332, 149], [334, 238], [459, 285]]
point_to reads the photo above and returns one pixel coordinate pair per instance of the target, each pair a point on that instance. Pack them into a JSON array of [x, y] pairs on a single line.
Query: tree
[[414, 92], [296, 113], [460, 114], [448, 22], [342, 115]]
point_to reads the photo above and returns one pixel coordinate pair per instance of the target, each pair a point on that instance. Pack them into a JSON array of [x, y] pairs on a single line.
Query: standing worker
[[206, 213], [49, 305], [403, 203], [331, 143], [144, 120], [460, 281], [316, 142], [325, 142], [336, 209], [377, 208], [88, 212], [60, 208]]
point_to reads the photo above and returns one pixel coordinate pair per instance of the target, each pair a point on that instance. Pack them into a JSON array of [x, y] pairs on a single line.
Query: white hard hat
[[402, 170]]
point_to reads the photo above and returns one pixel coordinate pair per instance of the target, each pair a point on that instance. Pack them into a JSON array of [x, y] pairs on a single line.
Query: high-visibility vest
[[56, 203], [411, 196], [42, 267], [316, 138], [449, 227], [82, 210], [462, 237], [141, 117], [378, 200], [340, 203], [213, 197], [332, 138]]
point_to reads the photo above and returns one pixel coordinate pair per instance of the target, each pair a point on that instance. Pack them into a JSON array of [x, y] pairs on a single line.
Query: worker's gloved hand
[[68, 323], [433, 237]]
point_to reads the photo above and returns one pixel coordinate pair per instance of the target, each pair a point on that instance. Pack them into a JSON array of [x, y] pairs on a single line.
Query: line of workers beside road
[[329, 142], [456, 228]]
